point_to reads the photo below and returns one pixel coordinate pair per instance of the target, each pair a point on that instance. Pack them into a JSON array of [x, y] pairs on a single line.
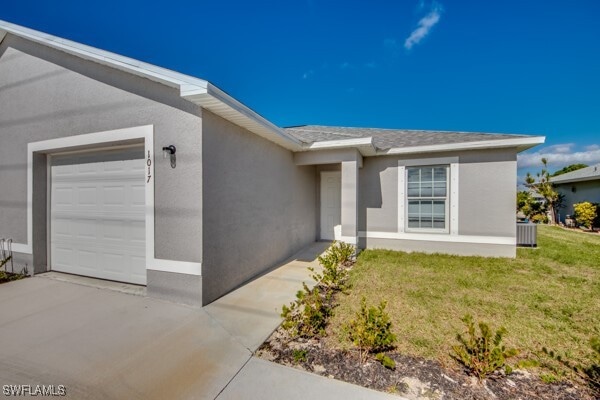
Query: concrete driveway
[[104, 344]]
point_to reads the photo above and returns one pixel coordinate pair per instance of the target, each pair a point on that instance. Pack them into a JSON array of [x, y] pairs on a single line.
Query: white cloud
[[424, 26], [559, 156]]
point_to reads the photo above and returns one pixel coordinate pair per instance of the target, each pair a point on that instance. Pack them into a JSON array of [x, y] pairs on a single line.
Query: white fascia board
[[220, 95], [363, 145], [149, 71], [520, 143], [193, 89], [574, 180]]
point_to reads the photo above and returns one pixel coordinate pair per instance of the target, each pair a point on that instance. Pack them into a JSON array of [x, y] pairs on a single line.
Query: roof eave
[[574, 180], [364, 145], [196, 90], [520, 144], [217, 101]]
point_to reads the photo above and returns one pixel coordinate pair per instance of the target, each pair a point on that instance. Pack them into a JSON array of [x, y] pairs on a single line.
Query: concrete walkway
[[105, 344]]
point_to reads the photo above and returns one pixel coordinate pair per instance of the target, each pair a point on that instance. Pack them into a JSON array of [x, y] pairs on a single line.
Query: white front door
[[97, 215], [331, 204]]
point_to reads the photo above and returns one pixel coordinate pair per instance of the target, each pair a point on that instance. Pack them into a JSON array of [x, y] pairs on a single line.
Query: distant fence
[[527, 235]]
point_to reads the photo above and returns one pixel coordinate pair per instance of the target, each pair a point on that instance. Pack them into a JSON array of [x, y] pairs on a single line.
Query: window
[[427, 198]]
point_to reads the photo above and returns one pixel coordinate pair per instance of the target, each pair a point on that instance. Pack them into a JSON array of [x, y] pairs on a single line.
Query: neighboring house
[[85, 188], [578, 186]]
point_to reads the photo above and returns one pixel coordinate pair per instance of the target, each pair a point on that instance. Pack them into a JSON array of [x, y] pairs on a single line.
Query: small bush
[[539, 219], [300, 355], [482, 354], [334, 261], [371, 331], [307, 315], [386, 361], [585, 213]]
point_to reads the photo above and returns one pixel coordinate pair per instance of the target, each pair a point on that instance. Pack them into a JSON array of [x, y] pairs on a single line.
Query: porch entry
[[331, 205]]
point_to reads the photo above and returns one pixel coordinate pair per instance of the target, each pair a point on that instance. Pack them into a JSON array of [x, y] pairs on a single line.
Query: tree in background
[[542, 185], [569, 168], [529, 206]]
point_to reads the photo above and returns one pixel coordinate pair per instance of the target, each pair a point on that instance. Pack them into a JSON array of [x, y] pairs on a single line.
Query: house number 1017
[[149, 164]]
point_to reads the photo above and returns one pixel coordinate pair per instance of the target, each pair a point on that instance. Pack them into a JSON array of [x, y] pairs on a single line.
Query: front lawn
[[546, 297]]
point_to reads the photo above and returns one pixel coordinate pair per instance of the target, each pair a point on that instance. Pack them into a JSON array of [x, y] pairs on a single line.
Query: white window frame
[[452, 196], [446, 199]]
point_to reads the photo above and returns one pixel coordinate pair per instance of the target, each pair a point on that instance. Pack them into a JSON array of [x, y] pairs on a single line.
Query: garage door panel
[[87, 196], [63, 196], [138, 195], [98, 216]]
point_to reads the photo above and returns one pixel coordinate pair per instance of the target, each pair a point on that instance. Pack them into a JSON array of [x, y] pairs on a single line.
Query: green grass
[[546, 297]]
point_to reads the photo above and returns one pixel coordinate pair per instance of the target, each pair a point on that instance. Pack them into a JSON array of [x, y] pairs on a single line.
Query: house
[[121, 170], [578, 186]]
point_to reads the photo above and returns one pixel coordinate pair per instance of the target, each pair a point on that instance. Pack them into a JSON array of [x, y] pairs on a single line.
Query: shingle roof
[[583, 174], [392, 138]]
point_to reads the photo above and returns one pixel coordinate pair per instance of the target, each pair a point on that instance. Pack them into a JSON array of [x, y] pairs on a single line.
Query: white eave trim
[[363, 145], [575, 180], [220, 103], [192, 89], [520, 143]]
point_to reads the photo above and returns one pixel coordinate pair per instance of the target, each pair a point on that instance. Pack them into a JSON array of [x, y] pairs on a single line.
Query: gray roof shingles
[[583, 174], [384, 139]]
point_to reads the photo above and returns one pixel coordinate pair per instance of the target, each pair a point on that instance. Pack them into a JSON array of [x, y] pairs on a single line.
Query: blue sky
[[507, 66]]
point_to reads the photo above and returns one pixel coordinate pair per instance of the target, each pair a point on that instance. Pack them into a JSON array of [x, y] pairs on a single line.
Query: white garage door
[[97, 222]]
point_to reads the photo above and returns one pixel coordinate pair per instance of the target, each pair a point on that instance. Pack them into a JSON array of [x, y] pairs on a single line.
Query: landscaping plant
[[585, 213], [307, 315], [371, 332], [334, 262], [482, 354]]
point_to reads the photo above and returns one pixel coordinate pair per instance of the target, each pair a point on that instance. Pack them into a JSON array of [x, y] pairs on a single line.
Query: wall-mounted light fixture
[[170, 151], [573, 189]]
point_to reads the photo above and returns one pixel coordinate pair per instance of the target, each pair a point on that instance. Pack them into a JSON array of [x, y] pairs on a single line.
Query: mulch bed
[[413, 378]]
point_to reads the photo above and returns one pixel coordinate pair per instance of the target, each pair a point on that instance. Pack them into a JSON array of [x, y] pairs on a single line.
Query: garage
[[97, 214]]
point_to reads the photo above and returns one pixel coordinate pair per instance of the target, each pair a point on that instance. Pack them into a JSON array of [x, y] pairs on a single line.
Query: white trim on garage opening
[[103, 138]]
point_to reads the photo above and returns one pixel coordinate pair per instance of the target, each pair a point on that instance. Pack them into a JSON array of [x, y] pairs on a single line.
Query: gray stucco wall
[[258, 206], [584, 191], [487, 192], [48, 94]]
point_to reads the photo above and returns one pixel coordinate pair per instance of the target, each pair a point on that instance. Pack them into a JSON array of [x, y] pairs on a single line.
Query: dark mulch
[[413, 378]]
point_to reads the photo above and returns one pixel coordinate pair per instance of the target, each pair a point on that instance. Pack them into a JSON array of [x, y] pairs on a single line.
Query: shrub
[[300, 355], [539, 219], [307, 315], [334, 262], [483, 354], [371, 331], [585, 213]]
